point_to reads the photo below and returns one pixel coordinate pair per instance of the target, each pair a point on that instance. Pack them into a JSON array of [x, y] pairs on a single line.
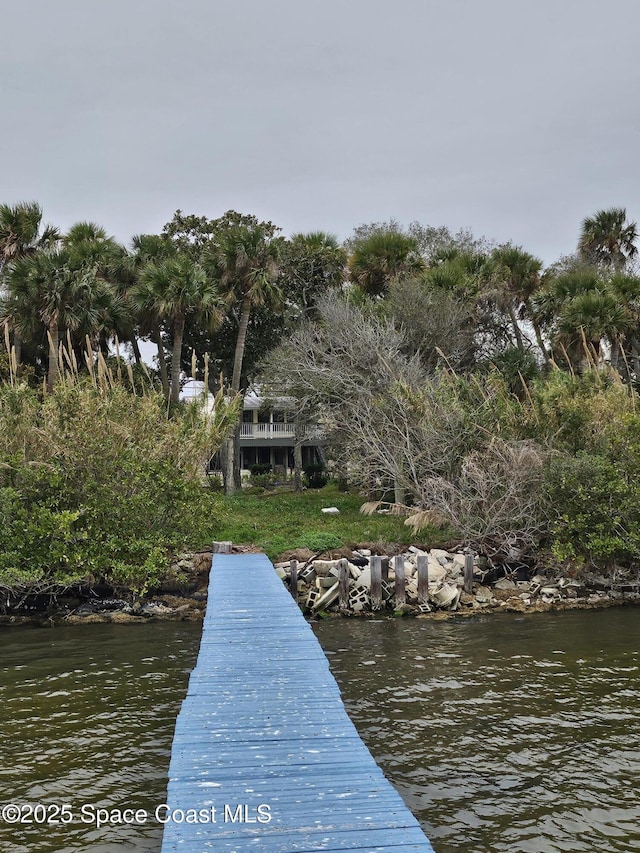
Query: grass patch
[[279, 521]]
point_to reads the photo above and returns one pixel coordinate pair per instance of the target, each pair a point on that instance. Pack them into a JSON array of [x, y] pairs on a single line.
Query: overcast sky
[[517, 118]]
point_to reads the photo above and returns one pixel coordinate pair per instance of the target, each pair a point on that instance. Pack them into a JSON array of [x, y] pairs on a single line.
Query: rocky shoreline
[[182, 596], [445, 595]]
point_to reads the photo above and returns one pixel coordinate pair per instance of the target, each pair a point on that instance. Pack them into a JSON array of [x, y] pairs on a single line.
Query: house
[[267, 432], [268, 435]]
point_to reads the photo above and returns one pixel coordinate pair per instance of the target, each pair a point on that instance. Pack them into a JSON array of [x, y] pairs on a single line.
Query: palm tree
[[91, 250], [607, 238], [244, 258], [381, 258], [49, 289], [148, 248], [173, 288], [68, 289], [627, 289], [582, 308], [22, 234], [246, 261], [517, 274]]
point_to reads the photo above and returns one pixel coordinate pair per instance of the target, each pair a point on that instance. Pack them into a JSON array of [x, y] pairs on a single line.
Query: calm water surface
[[517, 734], [505, 733], [86, 717]]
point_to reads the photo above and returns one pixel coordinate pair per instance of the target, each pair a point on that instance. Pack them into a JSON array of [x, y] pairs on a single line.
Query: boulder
[[504, 583], [437, 572], [442, 557], [483, 595]]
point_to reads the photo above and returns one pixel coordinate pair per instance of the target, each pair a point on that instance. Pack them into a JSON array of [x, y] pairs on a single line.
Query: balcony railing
[[277, 430]]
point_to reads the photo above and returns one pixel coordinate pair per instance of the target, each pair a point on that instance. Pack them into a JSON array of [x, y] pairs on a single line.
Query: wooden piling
[[400, 585], [384, 564], [468, 573], [376, 583], [293, 579], [343, 588], [423, 578]]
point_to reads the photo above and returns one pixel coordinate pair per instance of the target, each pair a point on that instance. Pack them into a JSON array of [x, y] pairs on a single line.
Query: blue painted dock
[[264, 756]]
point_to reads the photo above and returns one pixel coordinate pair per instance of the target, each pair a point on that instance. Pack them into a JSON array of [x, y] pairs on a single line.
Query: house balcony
[[282, 433]]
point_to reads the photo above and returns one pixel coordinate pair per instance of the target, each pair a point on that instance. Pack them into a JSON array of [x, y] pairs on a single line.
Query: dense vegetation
[[457, 380], [98, 485]]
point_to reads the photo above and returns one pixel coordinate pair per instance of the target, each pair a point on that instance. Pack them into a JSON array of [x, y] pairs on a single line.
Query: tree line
[[444, 367]]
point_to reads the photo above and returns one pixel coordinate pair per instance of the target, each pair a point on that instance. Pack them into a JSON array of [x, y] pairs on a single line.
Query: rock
[[442, 557], [504, 583], [330, 510], [120, 618], [201, 562], [155, 609], [437, 572], [410, 569], [516, 605], [403, 610], [322, 567], [458, 561], [504, 594], [483, 595]]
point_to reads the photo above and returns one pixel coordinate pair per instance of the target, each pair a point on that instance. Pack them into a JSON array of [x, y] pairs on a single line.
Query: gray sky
[[517, 118]]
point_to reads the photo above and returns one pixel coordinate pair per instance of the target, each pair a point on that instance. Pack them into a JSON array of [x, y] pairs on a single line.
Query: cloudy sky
[[517, 118]]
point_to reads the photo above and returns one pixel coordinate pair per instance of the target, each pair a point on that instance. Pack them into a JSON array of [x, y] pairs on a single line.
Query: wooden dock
[[264, 756]]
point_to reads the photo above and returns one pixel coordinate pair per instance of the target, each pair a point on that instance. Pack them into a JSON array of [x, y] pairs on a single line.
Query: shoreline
[[189, 611], [182, 596]]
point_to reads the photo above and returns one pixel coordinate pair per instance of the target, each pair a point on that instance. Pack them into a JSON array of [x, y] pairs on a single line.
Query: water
[[504, 733], [86, 719]]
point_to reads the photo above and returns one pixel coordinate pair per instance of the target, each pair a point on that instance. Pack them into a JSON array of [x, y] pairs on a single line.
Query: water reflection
[[502, 734]]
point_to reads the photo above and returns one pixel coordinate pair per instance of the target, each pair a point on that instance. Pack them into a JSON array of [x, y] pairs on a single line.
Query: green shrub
[[261, 475], [315, 476], [594, 510], [99, 485], [319, 541]]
